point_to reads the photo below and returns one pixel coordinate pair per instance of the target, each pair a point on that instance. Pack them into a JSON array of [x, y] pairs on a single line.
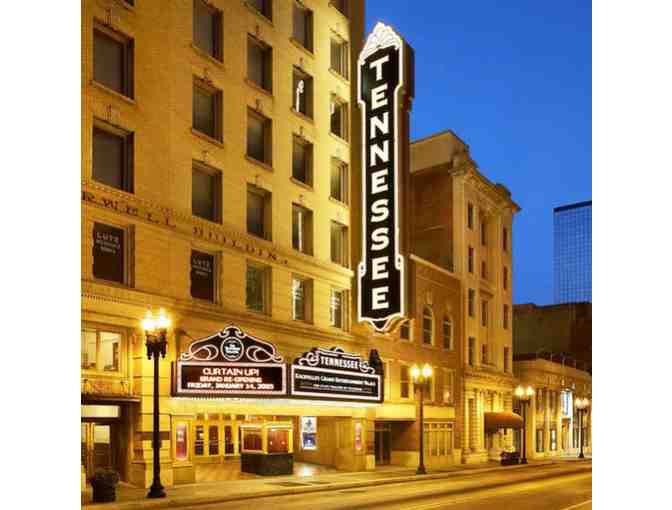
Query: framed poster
[[108, 253], [309, 432], [202, 275], [358, 436]]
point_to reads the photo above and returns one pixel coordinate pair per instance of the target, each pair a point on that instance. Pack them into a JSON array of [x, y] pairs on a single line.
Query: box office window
[[263, 7], [207, 104], [339, 180], [109, 253], [301, 298], [404, 381], [113, 158], [336, 308], [302, 161], [339, 244], [447, 333], [203, 271], [303, 26], [113, 61], [339, 56], [339, 117], [302, 229], [258, 212], [259, 137], [257, 288], [278, 441], [302, 92], [101, 350], [540, 440], [205, 194], [259, 63], [208, 29]]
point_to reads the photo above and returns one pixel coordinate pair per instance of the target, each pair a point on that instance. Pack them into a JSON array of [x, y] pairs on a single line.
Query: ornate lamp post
[[421, 377], [524, 395], [155, 333], [581, 408]]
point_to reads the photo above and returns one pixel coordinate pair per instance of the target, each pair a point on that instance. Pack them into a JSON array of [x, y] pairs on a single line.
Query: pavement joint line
[[578, 505], [177, 502]]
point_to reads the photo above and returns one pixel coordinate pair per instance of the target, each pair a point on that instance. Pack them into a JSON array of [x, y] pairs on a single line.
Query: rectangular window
[[336, 308], [303, 26], [554, 439], [339, 56], [100, 350], [302, 161], [339, 242], [301, 299], [259, 137], [540, 440], [484, 354], [448, 392], [484, 233], [302, 92], [505, 239], [472, 351], [263, 7], [202, 276], [471, 302], [540, 400], [339, 118], [506, 359], [470, 216], [427, 326], [257, 288], [339, 180], [404, 381], [447, 334], [484, 269], [205, 194], [207, 105], [113, 158], [470, 260], [505, 317], [302, 229], [258, 212], [259, 63], [113, 61], [109, 253], [405, 330], [505, 278], [484, 313], [208, 29]]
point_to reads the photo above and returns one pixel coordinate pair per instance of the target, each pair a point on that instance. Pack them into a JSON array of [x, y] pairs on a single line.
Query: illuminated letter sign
[[381, 73]]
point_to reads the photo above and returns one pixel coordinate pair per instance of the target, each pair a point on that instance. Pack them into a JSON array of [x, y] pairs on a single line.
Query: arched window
[[447, 333], [427, 326]]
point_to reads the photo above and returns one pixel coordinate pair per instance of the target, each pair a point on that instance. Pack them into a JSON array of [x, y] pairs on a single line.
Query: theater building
[[463, 223]]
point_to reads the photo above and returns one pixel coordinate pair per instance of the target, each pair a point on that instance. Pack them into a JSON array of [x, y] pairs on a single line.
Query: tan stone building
[[462, 222], [219, 141]]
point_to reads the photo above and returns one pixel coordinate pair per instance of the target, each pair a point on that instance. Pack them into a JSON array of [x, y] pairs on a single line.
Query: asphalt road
[[554, 487]]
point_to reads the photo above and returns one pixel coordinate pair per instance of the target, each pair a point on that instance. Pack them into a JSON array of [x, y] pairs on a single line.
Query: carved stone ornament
[[232, 345]]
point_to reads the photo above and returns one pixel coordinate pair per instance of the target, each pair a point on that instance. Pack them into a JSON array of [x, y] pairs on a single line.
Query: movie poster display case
[[267, 448]]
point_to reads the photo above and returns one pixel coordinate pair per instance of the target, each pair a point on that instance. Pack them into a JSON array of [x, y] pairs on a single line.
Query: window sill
[[339, 138], [302, 116], [258, 88], [255, 161], [113, 93], [258, 14], [302, 47], [339, 76], [339, 202], [203, 54], [302, 184], [207, 138], [257, 312], [112, 189], [345, 16], [214, 222]]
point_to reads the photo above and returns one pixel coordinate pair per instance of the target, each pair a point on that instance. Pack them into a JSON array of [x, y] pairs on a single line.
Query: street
[[552, 487]]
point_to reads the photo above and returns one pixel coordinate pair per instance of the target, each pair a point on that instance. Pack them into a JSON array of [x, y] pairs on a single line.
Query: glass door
[[97, 452], [229, 448]]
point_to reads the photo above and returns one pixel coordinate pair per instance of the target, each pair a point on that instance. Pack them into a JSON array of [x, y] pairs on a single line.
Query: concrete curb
[[183, 501]]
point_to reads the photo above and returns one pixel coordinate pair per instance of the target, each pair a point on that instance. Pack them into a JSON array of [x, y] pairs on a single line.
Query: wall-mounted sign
[[383, 66], [108, 252], [334, 374], [358, 436], [230, 363], [202, 275], [309, 432]]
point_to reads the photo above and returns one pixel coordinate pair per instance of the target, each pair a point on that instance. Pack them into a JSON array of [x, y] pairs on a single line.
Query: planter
[[104, 485], [510, 458]]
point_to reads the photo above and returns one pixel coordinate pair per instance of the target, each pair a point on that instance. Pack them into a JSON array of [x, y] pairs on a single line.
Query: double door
[[215, 439], [383, 433], [98, 451]]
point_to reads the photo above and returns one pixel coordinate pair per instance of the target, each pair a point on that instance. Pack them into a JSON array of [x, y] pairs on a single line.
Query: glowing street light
[[421, 377], [524, 395], [582, 405]]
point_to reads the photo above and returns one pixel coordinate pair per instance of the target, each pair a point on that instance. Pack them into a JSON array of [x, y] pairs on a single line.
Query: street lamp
[[524, 395], [581, 408], [421, 377], [155, 333]]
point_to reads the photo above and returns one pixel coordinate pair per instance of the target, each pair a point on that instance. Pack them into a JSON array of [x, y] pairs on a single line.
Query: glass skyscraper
[[572, 252]]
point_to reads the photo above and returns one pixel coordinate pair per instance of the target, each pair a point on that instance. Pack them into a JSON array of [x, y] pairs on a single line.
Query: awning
[[502, 420]]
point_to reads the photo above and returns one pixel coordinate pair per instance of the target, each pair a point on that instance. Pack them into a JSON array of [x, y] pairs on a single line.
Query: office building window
[[484, 354], [339, 180], [207, 105], [540, 400], [339, 244], [540, 440], [505, 277], [257, 288], [208, 29], [301, 299], [100, 350], [405, 330], [506, 359], [505, 239], [471, 302], [205, 194], [484, 269], [302, 161], [302, 92], [404, 381], [302, 229], [339, 117], [113, 158], [470, 260], [203, 275], [113, 61], [448, 392], [472, 351], [303, 26], [427, 326], [259, 63], [484, 233], [259, 137], [263, 7], [339, 56], [505, 317], [258, 212], [447, 333], [337, 309], [484, 313], [109, 253], [470, 215]]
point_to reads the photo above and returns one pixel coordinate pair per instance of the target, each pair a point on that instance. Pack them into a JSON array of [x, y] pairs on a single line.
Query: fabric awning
[[502, 420]]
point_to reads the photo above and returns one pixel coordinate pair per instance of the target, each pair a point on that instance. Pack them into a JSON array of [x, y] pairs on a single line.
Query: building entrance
[[216, 439], [382, 443], [98, 448]]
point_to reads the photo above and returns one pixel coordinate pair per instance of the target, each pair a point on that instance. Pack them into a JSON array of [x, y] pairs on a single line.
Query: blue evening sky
[[513, 80]]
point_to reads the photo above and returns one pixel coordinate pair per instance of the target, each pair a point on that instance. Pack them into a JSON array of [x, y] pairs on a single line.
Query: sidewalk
[[129, 497]]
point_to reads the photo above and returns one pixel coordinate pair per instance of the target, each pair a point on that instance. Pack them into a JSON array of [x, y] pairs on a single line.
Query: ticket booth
[[267, 448]]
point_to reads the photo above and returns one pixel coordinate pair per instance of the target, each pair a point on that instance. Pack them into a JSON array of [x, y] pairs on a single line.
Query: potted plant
[[104, 483]]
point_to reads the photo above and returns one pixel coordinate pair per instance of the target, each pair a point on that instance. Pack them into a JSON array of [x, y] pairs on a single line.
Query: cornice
[[479, 376]]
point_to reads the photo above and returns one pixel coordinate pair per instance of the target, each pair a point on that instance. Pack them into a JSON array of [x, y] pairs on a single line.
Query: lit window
[[301, 298], [336, 308], [302, 227], [302, 93], [100, 350]]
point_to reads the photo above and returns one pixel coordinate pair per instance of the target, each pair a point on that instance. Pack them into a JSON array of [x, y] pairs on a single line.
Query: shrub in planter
[[104, 483]]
